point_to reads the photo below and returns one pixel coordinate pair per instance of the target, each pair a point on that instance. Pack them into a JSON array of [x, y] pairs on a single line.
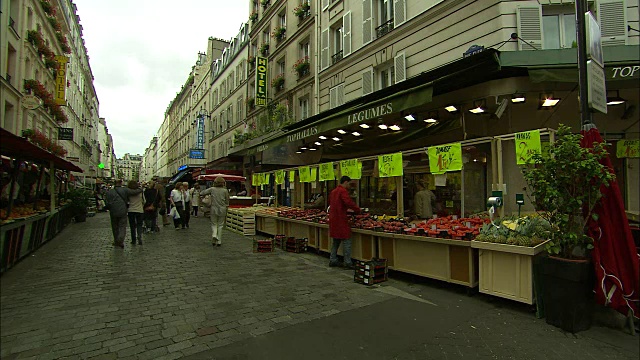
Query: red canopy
[[226, 177], [614, 254]]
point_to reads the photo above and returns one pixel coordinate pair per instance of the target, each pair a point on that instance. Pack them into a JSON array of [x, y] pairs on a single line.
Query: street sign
[[596, 87], [31, 102], [196, 154], [594, 39], [65, 133]]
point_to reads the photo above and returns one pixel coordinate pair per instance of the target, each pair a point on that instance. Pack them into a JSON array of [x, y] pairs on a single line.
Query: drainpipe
[[316, 81]]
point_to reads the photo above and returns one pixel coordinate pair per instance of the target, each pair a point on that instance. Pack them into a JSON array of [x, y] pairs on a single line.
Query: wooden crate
[[241, 221]]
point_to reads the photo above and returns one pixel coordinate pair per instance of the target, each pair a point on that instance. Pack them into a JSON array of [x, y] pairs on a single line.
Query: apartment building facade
[[129, 167], [43, 54]]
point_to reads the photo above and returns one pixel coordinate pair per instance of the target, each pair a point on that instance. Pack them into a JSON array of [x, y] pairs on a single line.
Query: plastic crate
[[371, 272], [296, 245], [262, 246]]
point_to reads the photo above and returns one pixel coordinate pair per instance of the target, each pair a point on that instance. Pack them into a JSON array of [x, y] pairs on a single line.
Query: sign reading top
[[261, 81]]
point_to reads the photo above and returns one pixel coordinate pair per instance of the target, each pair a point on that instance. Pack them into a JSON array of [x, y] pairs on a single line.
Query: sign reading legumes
[[527, 144], [351, 168], [445, 158]]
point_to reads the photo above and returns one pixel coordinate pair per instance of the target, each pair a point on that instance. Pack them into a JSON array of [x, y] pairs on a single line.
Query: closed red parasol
[[226, 177], [614, 254]]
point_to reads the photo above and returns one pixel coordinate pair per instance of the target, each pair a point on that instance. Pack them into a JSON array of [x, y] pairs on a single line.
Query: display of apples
[[448, 227]]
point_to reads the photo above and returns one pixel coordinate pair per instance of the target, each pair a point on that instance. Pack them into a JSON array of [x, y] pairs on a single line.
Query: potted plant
[[565, 187], [251, 103], [301, 67], [79, 203], [264, 49], [279, 33], [265, 3], [302, 10], [278, 82], [254, 16]]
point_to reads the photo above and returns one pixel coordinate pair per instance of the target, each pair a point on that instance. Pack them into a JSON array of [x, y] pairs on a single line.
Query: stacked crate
[[371, 272], [280, 241], [262, 246], [296, 245]]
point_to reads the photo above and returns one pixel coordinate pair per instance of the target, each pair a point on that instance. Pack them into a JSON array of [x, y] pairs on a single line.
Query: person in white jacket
[[219, 205], [195, 199]]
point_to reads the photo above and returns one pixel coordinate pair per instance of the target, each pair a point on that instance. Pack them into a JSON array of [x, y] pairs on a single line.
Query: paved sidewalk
[[177, 296]]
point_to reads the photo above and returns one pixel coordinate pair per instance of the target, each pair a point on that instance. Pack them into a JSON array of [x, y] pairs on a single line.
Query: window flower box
[[264, 50], [302, 11], [279, 33], [302, 66], [278, 82]]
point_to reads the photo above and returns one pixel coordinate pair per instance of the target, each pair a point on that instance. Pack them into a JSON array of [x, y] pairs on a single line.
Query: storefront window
[[378, 194]]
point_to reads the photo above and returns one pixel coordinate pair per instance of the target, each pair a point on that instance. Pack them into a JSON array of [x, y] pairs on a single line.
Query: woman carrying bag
[[219, 196], [177, 201]]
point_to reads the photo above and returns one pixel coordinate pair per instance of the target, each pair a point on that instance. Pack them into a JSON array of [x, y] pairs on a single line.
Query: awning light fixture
[[303, 148], [312, 149], [336, 139], [364, 126], [318, 143], [394, 127], [409, 117], [479, 106], [432, 117], [299, 152], [322, 137], [517, 98], [615, 100], [342, 131], [382, 126], [451, 108], [548, 100], [355, 133]]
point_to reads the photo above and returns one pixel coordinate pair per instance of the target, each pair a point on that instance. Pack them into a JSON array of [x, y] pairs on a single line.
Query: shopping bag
[[174, 213], [207, 200]]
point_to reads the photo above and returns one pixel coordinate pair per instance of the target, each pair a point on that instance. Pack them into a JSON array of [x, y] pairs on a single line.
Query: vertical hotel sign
[[261, 81], [61, 79], [200, 133]]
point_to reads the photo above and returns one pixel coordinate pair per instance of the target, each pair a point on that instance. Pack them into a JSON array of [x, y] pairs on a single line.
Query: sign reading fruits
[[527, 144], [390, 165], [445, 158]]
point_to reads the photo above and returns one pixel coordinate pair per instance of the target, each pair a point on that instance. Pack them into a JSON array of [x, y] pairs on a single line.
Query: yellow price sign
[[292, 176], [390, 165], [305, 174], [326, 172], [279, 177], [527, 144], [351, 168], [314, 174], [254, 179], [445, 158], [628, 149]]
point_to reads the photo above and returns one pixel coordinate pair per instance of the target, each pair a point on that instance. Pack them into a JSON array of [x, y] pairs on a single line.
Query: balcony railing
[[336, 57], [384, 29]]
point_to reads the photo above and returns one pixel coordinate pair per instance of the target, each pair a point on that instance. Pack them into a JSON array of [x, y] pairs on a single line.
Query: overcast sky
[[141, 53]]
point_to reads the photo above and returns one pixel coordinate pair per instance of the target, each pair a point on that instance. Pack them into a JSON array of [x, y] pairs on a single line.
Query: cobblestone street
[[176, 296]]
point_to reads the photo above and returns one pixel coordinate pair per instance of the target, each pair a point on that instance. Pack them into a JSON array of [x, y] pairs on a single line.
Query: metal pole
[[581, 8]]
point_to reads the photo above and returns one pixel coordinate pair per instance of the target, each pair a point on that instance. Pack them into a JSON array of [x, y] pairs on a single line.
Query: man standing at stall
[[424, 201], [339, 228], [117, 202]]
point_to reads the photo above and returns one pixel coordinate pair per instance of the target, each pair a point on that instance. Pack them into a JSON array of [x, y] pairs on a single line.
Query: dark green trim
[[621, 54]]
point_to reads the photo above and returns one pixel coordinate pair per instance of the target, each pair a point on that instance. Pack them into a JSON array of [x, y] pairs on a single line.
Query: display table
[[21, 237], [507, 270], [454, 261]]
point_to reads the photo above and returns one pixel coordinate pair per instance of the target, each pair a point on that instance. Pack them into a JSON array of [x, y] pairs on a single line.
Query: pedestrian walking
[[177, 201], [136, 212], [187, 204], [116, 201], [219, 196], [151, 205], [339, 203], [195, 199]]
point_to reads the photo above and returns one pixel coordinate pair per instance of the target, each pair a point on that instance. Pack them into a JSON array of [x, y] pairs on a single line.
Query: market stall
[[32, 210]]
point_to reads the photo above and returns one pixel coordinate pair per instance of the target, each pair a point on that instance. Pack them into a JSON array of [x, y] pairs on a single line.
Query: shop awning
[[225, 160], [17, 147], [560, 65]]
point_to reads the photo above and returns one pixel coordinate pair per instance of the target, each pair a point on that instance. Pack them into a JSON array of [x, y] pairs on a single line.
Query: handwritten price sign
[[527, 144], [390, 165], [445, 158], [292, 176], [628, 149], [351, 168], [305, 174], [326, 172], [279, 177]]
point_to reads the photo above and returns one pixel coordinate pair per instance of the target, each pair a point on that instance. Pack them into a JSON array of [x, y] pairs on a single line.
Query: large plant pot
[[567, 293], [81, 217]]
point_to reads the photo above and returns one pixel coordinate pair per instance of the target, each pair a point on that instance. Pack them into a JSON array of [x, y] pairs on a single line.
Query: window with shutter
[[325, 4], [324, 45], [529, 27], [400, 67], [333, 97], [613, 22], [367, 23], [346, 33], [340, 95], [399, 12], [367, 81]]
